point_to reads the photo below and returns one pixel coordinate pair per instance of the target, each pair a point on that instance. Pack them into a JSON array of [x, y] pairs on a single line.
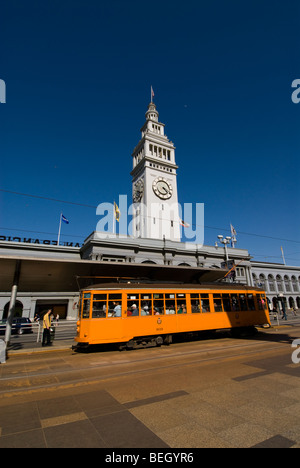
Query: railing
[[62, 330], [26, 333]]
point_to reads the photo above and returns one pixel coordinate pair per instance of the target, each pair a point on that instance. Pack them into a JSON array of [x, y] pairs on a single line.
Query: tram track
[[115, 366]]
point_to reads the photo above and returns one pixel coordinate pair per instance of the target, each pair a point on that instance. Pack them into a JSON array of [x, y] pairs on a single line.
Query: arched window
[[279, 283], [254, 277], [271, 282], [295, 284], [262, 281], [287, 284], [18, 310], [291, 302]]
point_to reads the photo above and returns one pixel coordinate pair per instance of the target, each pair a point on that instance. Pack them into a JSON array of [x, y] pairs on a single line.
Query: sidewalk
[[35, 348], [182, 396], [291, 320]]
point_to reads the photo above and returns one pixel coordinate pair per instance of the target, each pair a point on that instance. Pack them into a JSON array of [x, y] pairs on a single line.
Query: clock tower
[[154, 183]]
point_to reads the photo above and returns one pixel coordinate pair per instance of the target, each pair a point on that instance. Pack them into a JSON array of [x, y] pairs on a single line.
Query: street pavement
[[64, 336], [220, 392]]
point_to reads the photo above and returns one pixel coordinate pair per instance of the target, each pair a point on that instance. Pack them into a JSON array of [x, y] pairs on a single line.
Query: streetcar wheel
[[159, 341], [168, 339], [130, 345]]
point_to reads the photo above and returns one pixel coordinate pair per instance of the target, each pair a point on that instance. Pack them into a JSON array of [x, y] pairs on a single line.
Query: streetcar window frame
[[102, 305], [99, 309], [200, 303], [86, 307]]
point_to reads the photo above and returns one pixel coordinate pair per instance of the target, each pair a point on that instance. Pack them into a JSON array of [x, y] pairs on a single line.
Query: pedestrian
[[284, 316], [56, 320], [46, 328], [37, 318]]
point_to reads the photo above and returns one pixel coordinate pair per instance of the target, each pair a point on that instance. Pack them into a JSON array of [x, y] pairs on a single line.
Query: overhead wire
[[194, 225]]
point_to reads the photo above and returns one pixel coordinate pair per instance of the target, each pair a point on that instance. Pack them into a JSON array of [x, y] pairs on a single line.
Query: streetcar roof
[[155, 286]]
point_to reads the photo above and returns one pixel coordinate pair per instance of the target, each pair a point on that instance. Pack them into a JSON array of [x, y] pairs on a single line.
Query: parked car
[[20, 326]]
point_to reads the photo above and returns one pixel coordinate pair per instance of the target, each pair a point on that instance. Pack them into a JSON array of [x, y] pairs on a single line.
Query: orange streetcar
[[141, 315]]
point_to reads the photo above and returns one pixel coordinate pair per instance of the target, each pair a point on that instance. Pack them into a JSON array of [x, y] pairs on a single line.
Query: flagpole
[[114, 218], [58, 237], [283, 257]]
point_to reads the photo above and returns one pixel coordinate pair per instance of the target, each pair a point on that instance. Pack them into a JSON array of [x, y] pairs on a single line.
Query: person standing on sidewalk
[[46, 328], [284, 316]]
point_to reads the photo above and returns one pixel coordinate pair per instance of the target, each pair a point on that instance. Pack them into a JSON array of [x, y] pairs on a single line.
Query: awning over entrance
[[50, 275]]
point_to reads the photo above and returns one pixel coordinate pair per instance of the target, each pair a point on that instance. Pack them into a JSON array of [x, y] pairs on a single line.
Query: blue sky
[[78, 76]]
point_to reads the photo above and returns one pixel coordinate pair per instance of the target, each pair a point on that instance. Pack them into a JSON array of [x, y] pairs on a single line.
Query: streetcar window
[[251, 303], [114, 305], [133, 305], [235, 302], [195, 303], [218, 303], [158, 304], [170, 296], [261, 301], [170, 304], [226, 302], [264, 301], [86, 308], [158, 296], [146, 304], [100, 297], [205, 303], [195, 306], [243, 302], [181, 303], [99, 306]]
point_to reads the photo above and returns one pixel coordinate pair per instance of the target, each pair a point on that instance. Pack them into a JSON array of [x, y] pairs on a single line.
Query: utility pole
[[12, 304]]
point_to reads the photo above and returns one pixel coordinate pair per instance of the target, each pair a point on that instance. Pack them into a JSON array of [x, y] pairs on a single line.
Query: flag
[[117, 212], [64, 219], [233, 231], [233, 236], [152, 93], [184, 224]]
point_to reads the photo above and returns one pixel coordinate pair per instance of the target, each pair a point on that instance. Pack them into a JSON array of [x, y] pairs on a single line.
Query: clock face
[[138, 191], [162, 188]]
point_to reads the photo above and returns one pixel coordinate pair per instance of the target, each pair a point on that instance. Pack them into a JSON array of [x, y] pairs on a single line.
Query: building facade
[[53, 275], [281, 283], [49, 272]]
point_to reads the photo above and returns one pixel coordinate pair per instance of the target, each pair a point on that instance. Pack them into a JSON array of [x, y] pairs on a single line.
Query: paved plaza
[[209, 393]]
